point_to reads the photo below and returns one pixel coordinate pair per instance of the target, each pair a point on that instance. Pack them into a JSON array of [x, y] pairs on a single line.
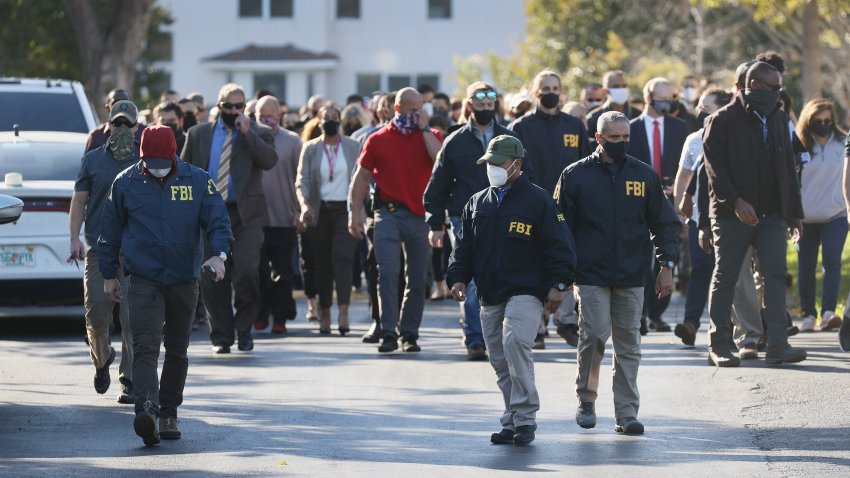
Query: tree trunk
[[812, 79], [109, 57], [699, 41]]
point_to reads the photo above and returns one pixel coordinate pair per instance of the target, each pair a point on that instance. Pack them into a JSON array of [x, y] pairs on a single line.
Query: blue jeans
[[471, 307], [702, 266], [830, 236]]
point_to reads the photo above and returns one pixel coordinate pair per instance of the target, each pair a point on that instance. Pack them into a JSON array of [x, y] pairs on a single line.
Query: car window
[[41, 161], [41, 112]]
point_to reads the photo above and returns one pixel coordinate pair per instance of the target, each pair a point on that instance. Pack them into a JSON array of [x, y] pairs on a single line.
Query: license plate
[[20, 256]]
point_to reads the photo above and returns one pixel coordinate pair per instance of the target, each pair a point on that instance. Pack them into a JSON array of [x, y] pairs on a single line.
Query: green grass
[[845, 279]]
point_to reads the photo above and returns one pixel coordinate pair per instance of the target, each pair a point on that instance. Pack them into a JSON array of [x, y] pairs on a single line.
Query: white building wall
[[390, 37]]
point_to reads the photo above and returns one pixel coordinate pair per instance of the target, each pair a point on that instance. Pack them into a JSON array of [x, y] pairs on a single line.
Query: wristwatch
[[668, 264], [221, 255], [561, 286]]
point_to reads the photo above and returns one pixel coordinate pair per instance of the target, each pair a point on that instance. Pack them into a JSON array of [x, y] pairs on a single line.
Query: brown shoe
[[749, 351], [686, 332], [168, 428], [832, 322]]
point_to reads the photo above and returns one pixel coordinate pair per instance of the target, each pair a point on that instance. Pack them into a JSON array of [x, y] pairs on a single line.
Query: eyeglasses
[[768, 85], [232, 106], [118, 122], [484, 95], [827, 122]]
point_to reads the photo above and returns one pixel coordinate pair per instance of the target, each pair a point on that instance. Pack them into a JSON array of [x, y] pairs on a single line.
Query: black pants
[[307, 262], [241, 279], [276, 274], [333, 247], [440, 260], [157, 312]]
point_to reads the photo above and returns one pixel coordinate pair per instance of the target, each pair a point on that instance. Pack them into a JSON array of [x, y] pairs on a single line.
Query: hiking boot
[[786, 355], [524, 434], [101, 375], [629, 426], [586, 415], [504, 437], [145, 424], [168, 428]]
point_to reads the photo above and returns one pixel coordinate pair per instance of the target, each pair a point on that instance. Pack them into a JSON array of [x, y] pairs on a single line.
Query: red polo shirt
[[400, 164]]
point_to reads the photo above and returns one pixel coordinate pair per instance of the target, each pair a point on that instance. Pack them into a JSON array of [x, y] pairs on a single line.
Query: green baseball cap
[[501, 149]]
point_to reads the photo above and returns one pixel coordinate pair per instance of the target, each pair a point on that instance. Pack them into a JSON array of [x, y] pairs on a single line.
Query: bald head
[[408, 100], [764, 73]]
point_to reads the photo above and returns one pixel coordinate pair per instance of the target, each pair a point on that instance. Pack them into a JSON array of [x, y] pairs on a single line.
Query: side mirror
[[10, 209]]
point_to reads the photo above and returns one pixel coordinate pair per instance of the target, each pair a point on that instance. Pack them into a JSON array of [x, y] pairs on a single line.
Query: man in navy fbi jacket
[[612, 202], [153, 216], [516, 245]]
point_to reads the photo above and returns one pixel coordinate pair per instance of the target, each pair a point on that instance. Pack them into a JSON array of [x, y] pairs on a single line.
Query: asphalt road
[[311, 405]]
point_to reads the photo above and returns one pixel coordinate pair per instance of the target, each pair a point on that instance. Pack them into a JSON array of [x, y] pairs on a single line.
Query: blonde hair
[[538, 78]]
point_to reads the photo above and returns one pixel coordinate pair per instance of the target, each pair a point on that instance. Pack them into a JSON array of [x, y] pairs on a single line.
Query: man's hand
[[243, 123], [424, 118], [435, 238], [216, 263], [112, 288], [795, 228], [664, 283], [355, 226], [459, 291], [553, 301], [706, 241], [745, 212], [78, 249], [686, 205]]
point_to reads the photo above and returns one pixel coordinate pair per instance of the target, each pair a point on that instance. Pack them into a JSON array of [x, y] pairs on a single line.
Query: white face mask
[[498, 176], [619, 95], [690, 94], [158, 172]]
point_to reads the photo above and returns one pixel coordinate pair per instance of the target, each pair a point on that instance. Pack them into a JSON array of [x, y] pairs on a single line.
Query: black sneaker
[[524, 435], [101, 375], [586, 415], [476, 352], [629, 426], [504, 437], [389, 344], [569, 332], [539, 342], [126, 395], [844, 335], [409, 345], [145, 425], [246, 343], [659, 326]]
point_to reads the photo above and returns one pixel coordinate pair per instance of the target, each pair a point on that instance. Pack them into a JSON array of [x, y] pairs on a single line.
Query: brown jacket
[[252, 153], [732, 147]]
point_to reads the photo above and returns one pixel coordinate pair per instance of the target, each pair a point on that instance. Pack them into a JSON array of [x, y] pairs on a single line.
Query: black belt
[[334, 203]]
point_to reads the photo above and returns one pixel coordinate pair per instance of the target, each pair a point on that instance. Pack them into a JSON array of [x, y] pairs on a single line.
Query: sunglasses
[[484, 95], [824, 121], [118, 122], [231, 106], [772, 87]]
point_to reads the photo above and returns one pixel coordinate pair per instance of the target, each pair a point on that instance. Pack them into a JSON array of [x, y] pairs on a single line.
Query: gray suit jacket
[[308, 183], [251, 154]]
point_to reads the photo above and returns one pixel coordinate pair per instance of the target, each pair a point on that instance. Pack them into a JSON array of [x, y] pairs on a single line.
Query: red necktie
[[656, 148]]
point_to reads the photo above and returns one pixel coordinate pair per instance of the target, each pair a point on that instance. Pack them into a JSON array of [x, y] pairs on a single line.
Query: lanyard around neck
[[331, 158]]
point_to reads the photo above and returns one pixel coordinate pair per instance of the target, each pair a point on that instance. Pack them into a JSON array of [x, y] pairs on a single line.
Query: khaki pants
[[99, 318], [509, 331], [605, 312]]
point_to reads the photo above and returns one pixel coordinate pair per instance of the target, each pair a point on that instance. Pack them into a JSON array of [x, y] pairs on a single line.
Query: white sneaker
[[829, 321], [808, 324]]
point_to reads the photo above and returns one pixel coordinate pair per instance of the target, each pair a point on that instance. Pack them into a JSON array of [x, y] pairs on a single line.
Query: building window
[[281, 8], [250, 8], [431, 80], [348, 8], [439, 9], [368, 83], [397, 82], [274, 82]]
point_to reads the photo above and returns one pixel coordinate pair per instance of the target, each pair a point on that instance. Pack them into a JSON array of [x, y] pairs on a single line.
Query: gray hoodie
[[821, 182]]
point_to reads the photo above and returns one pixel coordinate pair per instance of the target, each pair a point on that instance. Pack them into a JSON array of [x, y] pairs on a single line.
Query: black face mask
[[549, 100], [330, 128], [229, 119], [616, 150], [662, 107], [484, 117], [821, 129], [189, 120], [762, 101], [174, 128], [701, 117]]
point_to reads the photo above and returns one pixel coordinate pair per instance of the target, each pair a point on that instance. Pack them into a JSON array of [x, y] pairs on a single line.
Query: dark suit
[[673, 137], [250, 154]]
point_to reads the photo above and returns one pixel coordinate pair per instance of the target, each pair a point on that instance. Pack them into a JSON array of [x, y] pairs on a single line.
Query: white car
[[40, 168], [44, 105]]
